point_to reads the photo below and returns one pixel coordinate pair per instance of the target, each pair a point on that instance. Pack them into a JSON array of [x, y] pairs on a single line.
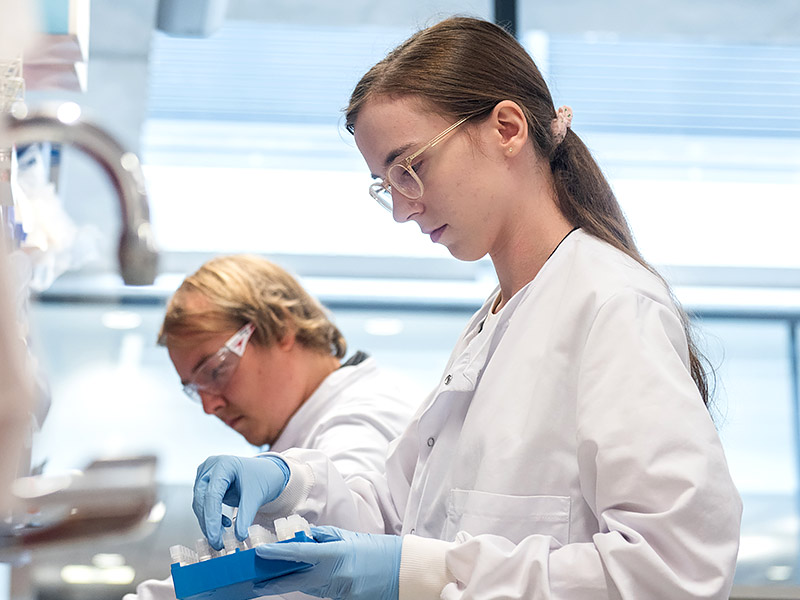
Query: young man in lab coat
[[259, 353]]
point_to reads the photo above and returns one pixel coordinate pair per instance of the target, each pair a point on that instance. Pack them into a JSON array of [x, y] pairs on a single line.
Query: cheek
[[248, 384], [470, 195], [240, 389], [449, 188], [255, 385], [467, 172]]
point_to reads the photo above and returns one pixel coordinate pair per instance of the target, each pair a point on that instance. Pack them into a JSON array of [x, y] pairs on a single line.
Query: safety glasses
[[214, 373]]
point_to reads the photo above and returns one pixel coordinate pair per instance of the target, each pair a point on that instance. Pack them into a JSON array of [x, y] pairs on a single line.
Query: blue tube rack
[[233, 575]]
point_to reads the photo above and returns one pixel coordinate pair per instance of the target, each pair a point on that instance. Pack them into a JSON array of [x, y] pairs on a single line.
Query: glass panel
[[688, 131], [115, 391], [250, 118], [755, 418], [244, 151]]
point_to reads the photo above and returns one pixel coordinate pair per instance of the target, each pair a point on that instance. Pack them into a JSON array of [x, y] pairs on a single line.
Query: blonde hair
[[462, 67], [245, 288]]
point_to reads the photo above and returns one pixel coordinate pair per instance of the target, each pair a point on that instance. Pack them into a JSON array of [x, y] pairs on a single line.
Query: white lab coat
[[566, 453], [351, 418]]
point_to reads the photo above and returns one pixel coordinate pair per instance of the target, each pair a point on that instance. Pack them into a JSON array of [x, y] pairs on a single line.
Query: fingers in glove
[[199, 494], [299, 552], [212, 506], [244, 518], [326, 533]]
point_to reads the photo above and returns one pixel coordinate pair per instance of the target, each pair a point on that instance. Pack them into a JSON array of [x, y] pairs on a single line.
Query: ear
[[286, 343], [510, 127]]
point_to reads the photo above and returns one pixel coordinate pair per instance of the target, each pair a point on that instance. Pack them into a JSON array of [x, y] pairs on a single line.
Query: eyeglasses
[[402, 175], [214, 373]]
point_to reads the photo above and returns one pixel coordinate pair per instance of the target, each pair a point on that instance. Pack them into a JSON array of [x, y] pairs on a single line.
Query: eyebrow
[[397, 152], [393, 155], [197, 365]]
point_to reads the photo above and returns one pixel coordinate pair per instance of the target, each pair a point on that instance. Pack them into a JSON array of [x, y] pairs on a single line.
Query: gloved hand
[[236, 481], [345, 565]]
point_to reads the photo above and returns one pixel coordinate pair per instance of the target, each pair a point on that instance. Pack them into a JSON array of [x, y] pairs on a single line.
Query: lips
[[437, 233], [232, 421]]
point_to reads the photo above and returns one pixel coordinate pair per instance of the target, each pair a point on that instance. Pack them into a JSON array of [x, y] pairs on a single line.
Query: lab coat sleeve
[[651, 464], [153, 589], [651, 468], [369, 501], [357, 443], [339, 478]]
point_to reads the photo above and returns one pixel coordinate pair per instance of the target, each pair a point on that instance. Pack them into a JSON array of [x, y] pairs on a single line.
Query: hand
[[345, 565], [244, 482]]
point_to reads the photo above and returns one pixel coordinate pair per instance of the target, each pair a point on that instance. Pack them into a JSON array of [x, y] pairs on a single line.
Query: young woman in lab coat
[[282, 382], [567, 451]]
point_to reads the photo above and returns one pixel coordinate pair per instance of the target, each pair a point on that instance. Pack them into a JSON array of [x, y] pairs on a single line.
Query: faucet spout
[[138, 256]]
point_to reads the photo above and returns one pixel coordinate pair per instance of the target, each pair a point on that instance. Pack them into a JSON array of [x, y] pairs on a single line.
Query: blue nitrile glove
[[345, 565], [236, 481]]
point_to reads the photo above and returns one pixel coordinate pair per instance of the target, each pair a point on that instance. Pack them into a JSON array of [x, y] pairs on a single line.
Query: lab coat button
[[431, 442], [448, 379]]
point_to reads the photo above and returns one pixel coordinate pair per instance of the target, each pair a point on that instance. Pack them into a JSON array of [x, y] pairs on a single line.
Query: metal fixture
[[108, 497], [62, 123]]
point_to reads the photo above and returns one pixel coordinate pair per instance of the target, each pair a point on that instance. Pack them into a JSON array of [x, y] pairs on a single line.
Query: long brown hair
[[463, 67]]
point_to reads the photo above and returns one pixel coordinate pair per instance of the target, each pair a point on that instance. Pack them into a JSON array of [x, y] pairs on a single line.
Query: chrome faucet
[[62, 123]]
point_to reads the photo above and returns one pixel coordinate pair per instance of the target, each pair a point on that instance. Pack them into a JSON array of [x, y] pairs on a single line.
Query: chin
[[255, 440], [259, 440], [466, 254], [251, 439]]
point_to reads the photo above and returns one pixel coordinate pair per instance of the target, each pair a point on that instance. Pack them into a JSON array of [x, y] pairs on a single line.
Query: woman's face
[[259, 397], [461, 206]]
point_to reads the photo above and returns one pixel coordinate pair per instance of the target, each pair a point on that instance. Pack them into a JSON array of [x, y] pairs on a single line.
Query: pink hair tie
[[561, 123]]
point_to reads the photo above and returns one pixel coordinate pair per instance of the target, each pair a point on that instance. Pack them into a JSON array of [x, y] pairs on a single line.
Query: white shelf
[[59, 56]]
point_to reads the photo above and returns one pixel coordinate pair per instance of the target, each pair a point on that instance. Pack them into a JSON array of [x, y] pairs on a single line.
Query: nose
[[403, 208], [211, 402]]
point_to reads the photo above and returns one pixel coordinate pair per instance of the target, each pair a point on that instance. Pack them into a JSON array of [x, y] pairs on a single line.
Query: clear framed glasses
[[214, 373], [402, 175]]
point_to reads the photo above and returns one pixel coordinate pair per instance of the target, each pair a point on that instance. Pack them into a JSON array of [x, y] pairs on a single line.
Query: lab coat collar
[[467, 362], [557, 257]]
